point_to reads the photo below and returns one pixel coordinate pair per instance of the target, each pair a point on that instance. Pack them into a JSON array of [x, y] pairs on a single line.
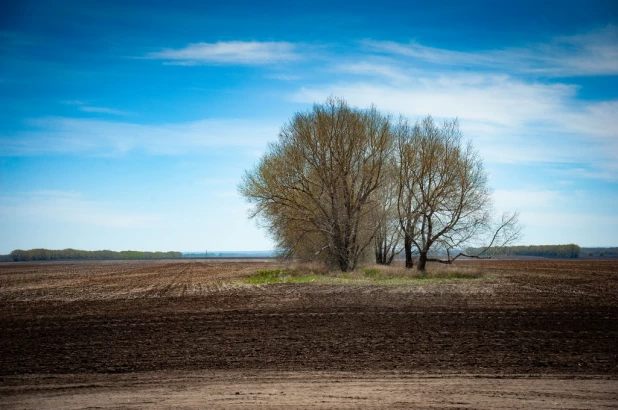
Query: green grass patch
[[385, 276], [281, 276], [372, 273]]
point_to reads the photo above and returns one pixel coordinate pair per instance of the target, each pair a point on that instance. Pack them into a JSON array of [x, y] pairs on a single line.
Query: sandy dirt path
[[311, 390]]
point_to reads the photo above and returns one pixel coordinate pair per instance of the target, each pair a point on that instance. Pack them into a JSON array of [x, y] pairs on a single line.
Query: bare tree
[[340, 181], [388, 237], [497, 235], [443, 201], [315, 188], [408, 200]]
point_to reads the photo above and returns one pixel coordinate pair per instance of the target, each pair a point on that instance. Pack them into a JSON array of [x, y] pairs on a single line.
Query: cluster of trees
[[230, 254], [599, 252], [342, 185], [570, 251], [19, 255]]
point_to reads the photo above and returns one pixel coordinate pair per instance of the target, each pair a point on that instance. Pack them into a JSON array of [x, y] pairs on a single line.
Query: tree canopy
[[315, 188], [343, 183]]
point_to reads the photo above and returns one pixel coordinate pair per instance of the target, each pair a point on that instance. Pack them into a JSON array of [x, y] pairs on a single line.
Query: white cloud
[[526, 199], [285, 77], [593, 53], [70, 206], [584, 229], [390, 72], [492, 99], [83, 106], [564, 219], [73, 102], [103, 110], [231, 52], [109, 138], [418, 51], [509, 119], [563, 216]]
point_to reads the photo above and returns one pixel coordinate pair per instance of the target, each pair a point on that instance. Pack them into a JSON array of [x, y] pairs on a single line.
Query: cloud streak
[[526, 199], [71, 207], [591, 54], [85, 107], [103, 110], [60, 135], [511, 121], [493, 99], [228, 53], [513, 117], [372, 69]]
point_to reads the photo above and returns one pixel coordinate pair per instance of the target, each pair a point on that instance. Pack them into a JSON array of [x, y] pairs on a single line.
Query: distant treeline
[[599, 253], [570, 251], [19, 255], [230, 254]]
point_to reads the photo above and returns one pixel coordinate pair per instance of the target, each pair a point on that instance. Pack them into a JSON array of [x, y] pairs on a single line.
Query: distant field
[[163, 333]]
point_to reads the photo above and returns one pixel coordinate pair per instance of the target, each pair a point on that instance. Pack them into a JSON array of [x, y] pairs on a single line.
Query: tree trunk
[[422, 261], [380, 256], [389, 260], [346, 261], [408, 249]]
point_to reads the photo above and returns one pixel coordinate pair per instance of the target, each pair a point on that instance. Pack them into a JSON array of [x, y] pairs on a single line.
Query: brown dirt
[[71, 331]]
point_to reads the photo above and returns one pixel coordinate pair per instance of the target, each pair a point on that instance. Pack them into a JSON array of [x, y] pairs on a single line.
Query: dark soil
[[531, 317]]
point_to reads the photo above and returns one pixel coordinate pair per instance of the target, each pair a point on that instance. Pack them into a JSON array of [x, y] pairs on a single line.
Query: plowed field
[[524, 334]]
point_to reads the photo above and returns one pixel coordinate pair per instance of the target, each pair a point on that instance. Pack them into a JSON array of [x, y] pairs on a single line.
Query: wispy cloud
[[390, 72], [85, 107], [512, 118], [102, 110], [58, 135], [231, 52], [509, 120], [593, 53], [73, 102], [72, 207], [285, 77], [559, 216], [551, 227], [494, 99], [526, 199]]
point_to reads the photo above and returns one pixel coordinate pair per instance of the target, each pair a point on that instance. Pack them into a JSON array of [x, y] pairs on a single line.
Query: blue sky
[[128, 124]]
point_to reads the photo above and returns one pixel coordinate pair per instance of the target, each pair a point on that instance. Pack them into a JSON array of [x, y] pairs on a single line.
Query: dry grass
[[433, 271], [393, 274]]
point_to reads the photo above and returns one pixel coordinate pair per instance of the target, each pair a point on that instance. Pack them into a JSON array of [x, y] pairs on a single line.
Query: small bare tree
[[496, 235], [443, 201]]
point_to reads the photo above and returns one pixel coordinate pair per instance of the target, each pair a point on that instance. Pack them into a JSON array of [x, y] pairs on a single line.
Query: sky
[[129, 124]]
